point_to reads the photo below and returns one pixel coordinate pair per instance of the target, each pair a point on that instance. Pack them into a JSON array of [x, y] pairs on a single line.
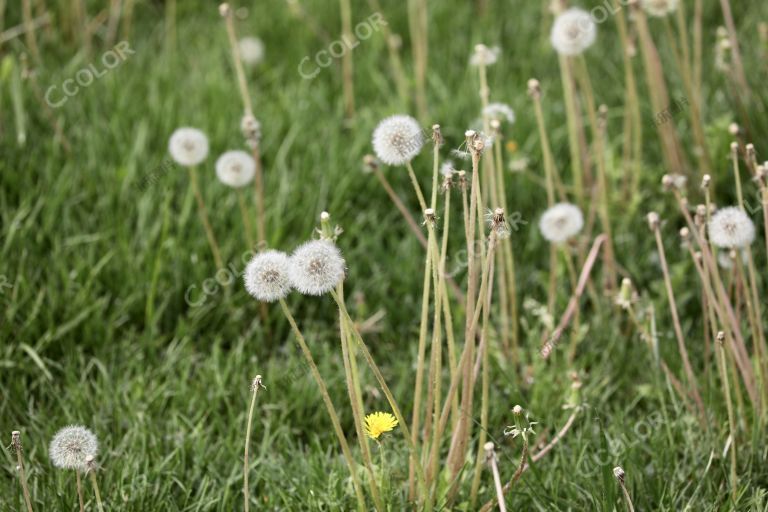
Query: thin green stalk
[[203, 212], [414, 454], [80, 491], [96, 490], [328, 405], [257, 383]]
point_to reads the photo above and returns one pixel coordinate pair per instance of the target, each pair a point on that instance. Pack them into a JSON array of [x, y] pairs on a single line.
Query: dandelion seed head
[[659, 8], [561, 222], [266, 276], [447, 168], [730, 227], [316, 267], [485, 55], [397, 139], [188, 146], [235, 168], [499, 112], [378, 423], [251, 50], [71, 447], [573, 32]]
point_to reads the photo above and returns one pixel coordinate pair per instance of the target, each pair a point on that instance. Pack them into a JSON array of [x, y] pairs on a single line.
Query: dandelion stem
[[731, 417], [16, 443], [416, 186], [346, 60], [414, 454], [258, 194], [247, 227], [96, 490], [328, 403], [236, 61], [246, 491], [203, 212], [80, 491]]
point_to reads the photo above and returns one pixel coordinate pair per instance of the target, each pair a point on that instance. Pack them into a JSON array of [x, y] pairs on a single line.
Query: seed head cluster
[[731, 228], [266, 276], [561, 222], [573, 32], [72, 446], [659, 8], [397, 139], [188, 146], [235, 168], [316, 267]]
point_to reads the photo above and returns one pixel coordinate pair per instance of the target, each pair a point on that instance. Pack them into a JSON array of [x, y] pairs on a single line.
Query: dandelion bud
[[16, 440], [325, 216], [733, 129], [495, 125], [251, 130], [316, 267], [705, 181], [266, 276], [624, 300], [437, 136], [734, 148], [370, 163], [429, 216], [618, 472], [720, 337], [257, 383], [462, 179], [653, 221], [225, 10], [534, 88], [517, 410], [72, 447], [667, 182]]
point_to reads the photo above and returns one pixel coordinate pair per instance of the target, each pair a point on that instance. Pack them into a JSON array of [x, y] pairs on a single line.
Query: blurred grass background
[[80, 238]]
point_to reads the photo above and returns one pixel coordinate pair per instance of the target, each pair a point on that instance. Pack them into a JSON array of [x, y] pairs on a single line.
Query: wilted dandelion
[[251, 50], [378, 423], [499, 112], [397, 139], [316, 267], [71, 446], [573, 32], [188, 146], [659, 8], [485, 55], [266, 276], [561, 222], [731, 228], [235, 168]]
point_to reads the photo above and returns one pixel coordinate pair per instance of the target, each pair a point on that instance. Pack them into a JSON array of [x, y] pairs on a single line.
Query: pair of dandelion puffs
[[189, 147], [314, 268]]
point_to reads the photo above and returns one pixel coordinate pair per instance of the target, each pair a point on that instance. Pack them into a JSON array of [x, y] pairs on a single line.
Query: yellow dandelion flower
[[379, 422], [511, 146]]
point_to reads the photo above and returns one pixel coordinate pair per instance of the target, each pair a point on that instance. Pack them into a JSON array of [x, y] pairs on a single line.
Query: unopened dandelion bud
[[733, 129], [495, 125], [534, 88], [734, 148], [618, 472], [706, 180], [225, 10], [429, 216], [653, 221], [489, 452], [720, 337], [16, 440], [685, 234], [698, 256], [701, 215], [370, 164], [462, 179], [325, 216], [625, 292], [517, 410]]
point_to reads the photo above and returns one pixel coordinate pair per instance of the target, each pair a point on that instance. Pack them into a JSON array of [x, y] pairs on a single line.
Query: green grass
[[80, 239]]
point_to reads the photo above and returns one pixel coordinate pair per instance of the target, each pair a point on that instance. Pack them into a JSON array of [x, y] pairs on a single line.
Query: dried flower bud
[[517, 410], [225, 10], [437, 136], [618, 472], [685, 234], [720, 337], [257, 383], [534, 88], [653, 221], [734, 129], [706, 180]]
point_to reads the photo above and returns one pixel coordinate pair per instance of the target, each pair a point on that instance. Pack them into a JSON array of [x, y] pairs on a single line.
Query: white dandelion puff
[[659, 8], [397, 139], [266, 276], [316, 267], [447, 168], [251, 50], [485, 55], [731, 228], [573, 32], [561, 222], [71, 447], [188, 146], [235, 168], [499, 112]]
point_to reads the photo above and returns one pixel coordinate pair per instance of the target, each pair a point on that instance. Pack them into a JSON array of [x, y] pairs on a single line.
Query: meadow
[[617, 366]]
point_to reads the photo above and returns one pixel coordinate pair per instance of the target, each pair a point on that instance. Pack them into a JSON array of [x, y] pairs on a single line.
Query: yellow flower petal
[[379, 422]]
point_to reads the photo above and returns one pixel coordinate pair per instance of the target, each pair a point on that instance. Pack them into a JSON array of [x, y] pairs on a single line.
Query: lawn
[[115, 317]]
